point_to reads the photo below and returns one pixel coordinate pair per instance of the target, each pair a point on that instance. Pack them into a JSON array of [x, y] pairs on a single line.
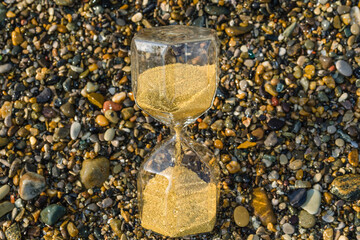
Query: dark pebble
[[297, 197], [44, 96], [276, 124]]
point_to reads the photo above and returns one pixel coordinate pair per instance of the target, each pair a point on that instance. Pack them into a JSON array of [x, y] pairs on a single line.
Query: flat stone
[[296, 164], [328, 234], [216, 10], [313, 200], [96, 99], [68, 110], [64, 2], [115, 225], [344, 68], [262, 207], [75, 130], [289, 30], [31, 185], [6, 207], [72, 229], [4, 190], [306, 220], [44, 96], [288, 228], [346, 187], [94, 172], [127, 113], [60, 133], [13, 232], [112, 116], [4, 68], [52, 213], [298, 197], [276, 124], [109, 134], [238, 30], [271, 140], [241, 216]]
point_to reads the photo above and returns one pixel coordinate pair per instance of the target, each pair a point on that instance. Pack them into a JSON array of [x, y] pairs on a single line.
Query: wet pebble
[[344, 68], [75, 130], [52, 214], [241, 216], [31, 185], [94, 172]]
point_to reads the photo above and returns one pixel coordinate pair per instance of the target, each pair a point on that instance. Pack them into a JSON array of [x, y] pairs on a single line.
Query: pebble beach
[[284, 124]]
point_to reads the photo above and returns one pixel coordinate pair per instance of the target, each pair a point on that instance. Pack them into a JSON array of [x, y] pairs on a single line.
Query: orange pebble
[[101, 120]]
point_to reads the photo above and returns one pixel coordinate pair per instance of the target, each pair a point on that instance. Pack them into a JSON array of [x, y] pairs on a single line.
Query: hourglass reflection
[[174, 79]]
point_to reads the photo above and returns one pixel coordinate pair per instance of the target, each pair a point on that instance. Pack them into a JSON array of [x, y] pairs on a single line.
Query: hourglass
[[174, 79]]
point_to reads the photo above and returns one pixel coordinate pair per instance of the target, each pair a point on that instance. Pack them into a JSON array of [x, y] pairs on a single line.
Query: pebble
[[109, 134], [339, 142], [296, 164], [328, 234], [288, 228], [276, 124], [306, 220], [4, 68], [115, 225], [112, 116], [216, 10], [68, 110], [52, 214], [72, 229], [75, 130], [344, 68], [94, 172], [44, 96], [31, 185], [241, 216], [236, 31], [119, 97], [13, 232], [4, 190], [101, 120], [346, 187], [96, 99], [110, 105], [355, 29], [298, 197], [127, 113], [64, 2], [137, 17], [325, 62], [6, 207], [91, 87], [233, 167], [262, 207], [271, 140], [313, 200], [289, 30]]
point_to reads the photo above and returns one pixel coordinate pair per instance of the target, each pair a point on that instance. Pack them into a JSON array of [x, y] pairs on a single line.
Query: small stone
[[4, 190], [328, 234], [101, 120], [339, 142], [119, 97], [276, 124], [96, 99], [233, 167], [216, 10], [241, 216], [127, 113], [293, 50], [137, 17], [346, 187], [112, 116], [13, 232], [288, 228], [68, 110], [218, 144], [94, 172], [16, 37], [236, 31], [262, 207], [64, 2], [331, 129], [91, 87], [296, 164], [75, 130], [109, 134], [72, 229], [353, 158], [344, 68], [52, 213], [5, 67], [346, 19], [246, 145], [60, 133], [325, 62], [270, 89], [306, 220], [313, 200], [298, 197], [6, 207], [355, 14], [110, 105], [271, 140], [258, 133], [115, 225], [337, 22], [31, 185], [289, 30], [44, 96], [3, 141], [355, 29], [329, 81]]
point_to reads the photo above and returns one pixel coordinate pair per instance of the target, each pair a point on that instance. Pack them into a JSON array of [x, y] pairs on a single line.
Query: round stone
[[94, 172], [306, 220], [31, 185], [137, 17], [75, 130], [355, 29], [313, 200], [339, 142], [288, 228], [52, 213], [344, 68], [109, 134], [241, 216]]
